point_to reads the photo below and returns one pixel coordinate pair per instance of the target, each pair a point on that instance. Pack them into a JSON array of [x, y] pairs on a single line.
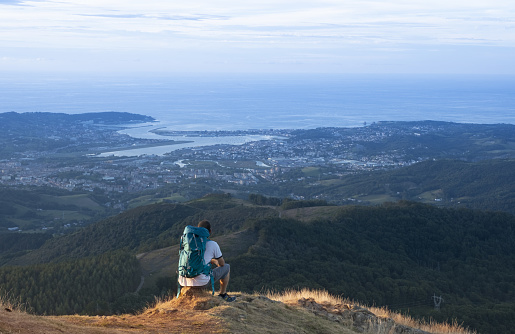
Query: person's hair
[[206, 224]]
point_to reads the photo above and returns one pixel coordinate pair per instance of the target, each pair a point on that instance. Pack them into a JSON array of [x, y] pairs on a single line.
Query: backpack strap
[[178, 285], [178, 288]]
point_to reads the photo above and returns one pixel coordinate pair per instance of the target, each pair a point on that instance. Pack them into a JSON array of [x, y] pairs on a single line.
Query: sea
[[266, 101]]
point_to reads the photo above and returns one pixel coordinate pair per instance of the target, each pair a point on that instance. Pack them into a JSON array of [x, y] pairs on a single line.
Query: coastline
[[143, 147], [180, 140]]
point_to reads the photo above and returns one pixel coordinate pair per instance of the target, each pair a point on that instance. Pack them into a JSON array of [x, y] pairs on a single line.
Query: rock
[[361, 319], [197, 298], [193, 291], [260, 297]]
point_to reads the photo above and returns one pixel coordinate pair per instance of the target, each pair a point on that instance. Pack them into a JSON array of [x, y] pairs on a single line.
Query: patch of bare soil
[[20, 322], [187, 314]]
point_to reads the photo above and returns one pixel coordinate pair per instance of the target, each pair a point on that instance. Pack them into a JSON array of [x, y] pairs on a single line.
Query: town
[[78, 169], [70, 152], [266, 161]]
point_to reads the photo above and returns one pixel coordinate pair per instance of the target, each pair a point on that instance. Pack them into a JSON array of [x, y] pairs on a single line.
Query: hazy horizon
[[279, 101], [156, 36]]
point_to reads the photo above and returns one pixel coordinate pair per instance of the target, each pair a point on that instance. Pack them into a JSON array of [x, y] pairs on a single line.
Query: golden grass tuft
[[191, 299], [11, 305], [431, 326], [322, 297]]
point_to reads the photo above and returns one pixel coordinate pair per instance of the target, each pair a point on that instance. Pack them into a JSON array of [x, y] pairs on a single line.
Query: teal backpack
[[191, 255]]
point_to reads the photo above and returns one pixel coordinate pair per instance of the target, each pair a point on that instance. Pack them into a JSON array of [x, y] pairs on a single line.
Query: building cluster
[[251, 163]]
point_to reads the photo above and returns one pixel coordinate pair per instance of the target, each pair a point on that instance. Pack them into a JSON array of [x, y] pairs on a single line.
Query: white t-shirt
[[212, 252]]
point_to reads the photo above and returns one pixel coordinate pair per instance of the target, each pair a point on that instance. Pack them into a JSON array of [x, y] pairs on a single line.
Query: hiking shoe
[[226, 297]]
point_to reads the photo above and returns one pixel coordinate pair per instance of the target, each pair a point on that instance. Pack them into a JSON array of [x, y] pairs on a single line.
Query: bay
[[267, 101], [240, 102]]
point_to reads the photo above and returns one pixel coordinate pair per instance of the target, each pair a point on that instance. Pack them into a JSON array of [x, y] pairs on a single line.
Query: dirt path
[[140, 284]]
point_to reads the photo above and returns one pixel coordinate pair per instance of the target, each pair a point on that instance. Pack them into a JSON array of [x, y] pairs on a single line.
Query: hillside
[[43, 209], [22, 133], [304, 312], [486, 185], [145, 228], [398, 255]]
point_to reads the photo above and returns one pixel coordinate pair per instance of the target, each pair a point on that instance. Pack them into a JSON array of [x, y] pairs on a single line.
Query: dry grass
[[11, 304], [319, 295], [166, 317], [324, 297], [203, 313], [431, 326]]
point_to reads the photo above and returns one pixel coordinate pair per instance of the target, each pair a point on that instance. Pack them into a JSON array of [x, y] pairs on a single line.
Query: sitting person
[[221, 272]]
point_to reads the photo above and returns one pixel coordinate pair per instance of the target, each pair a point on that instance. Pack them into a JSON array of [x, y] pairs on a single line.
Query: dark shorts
[[219, 273]]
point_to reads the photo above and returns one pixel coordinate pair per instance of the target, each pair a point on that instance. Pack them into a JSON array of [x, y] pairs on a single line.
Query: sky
[[265, 36]]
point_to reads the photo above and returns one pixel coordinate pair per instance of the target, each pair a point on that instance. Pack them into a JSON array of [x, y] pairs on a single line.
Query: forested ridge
[[143, 229], [398, 255], [487, 185], [93, 285]]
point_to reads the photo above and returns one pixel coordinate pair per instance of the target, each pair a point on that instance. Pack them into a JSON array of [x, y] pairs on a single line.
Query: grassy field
[[80, 200], [311, 171], [51, 211], [378, 199]]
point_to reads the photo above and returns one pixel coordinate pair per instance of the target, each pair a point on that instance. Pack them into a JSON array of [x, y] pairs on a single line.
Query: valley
[[56, 158], [391, 214]]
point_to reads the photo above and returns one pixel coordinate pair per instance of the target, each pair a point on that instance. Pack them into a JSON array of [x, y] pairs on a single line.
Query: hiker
[[212, 255]]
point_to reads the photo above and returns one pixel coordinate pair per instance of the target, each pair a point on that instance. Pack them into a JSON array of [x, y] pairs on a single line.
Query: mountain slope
[[398, 255], [145, 228], [202, 313], [486, 185]]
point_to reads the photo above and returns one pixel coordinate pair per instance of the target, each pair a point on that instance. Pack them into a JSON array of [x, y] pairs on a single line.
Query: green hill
[[38, 207], [29, 217], [145, 228], [484, 185], [398, 255]]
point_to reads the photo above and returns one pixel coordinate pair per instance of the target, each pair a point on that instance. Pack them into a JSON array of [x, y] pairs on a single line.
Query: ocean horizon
[[242, 102]]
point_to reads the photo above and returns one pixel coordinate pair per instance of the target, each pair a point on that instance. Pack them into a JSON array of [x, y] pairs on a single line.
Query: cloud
[[9, 2], [159, 17], [253, 29], [115, 16]]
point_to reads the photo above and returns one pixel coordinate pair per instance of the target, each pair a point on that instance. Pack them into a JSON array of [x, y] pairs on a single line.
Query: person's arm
[[220, 262]]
